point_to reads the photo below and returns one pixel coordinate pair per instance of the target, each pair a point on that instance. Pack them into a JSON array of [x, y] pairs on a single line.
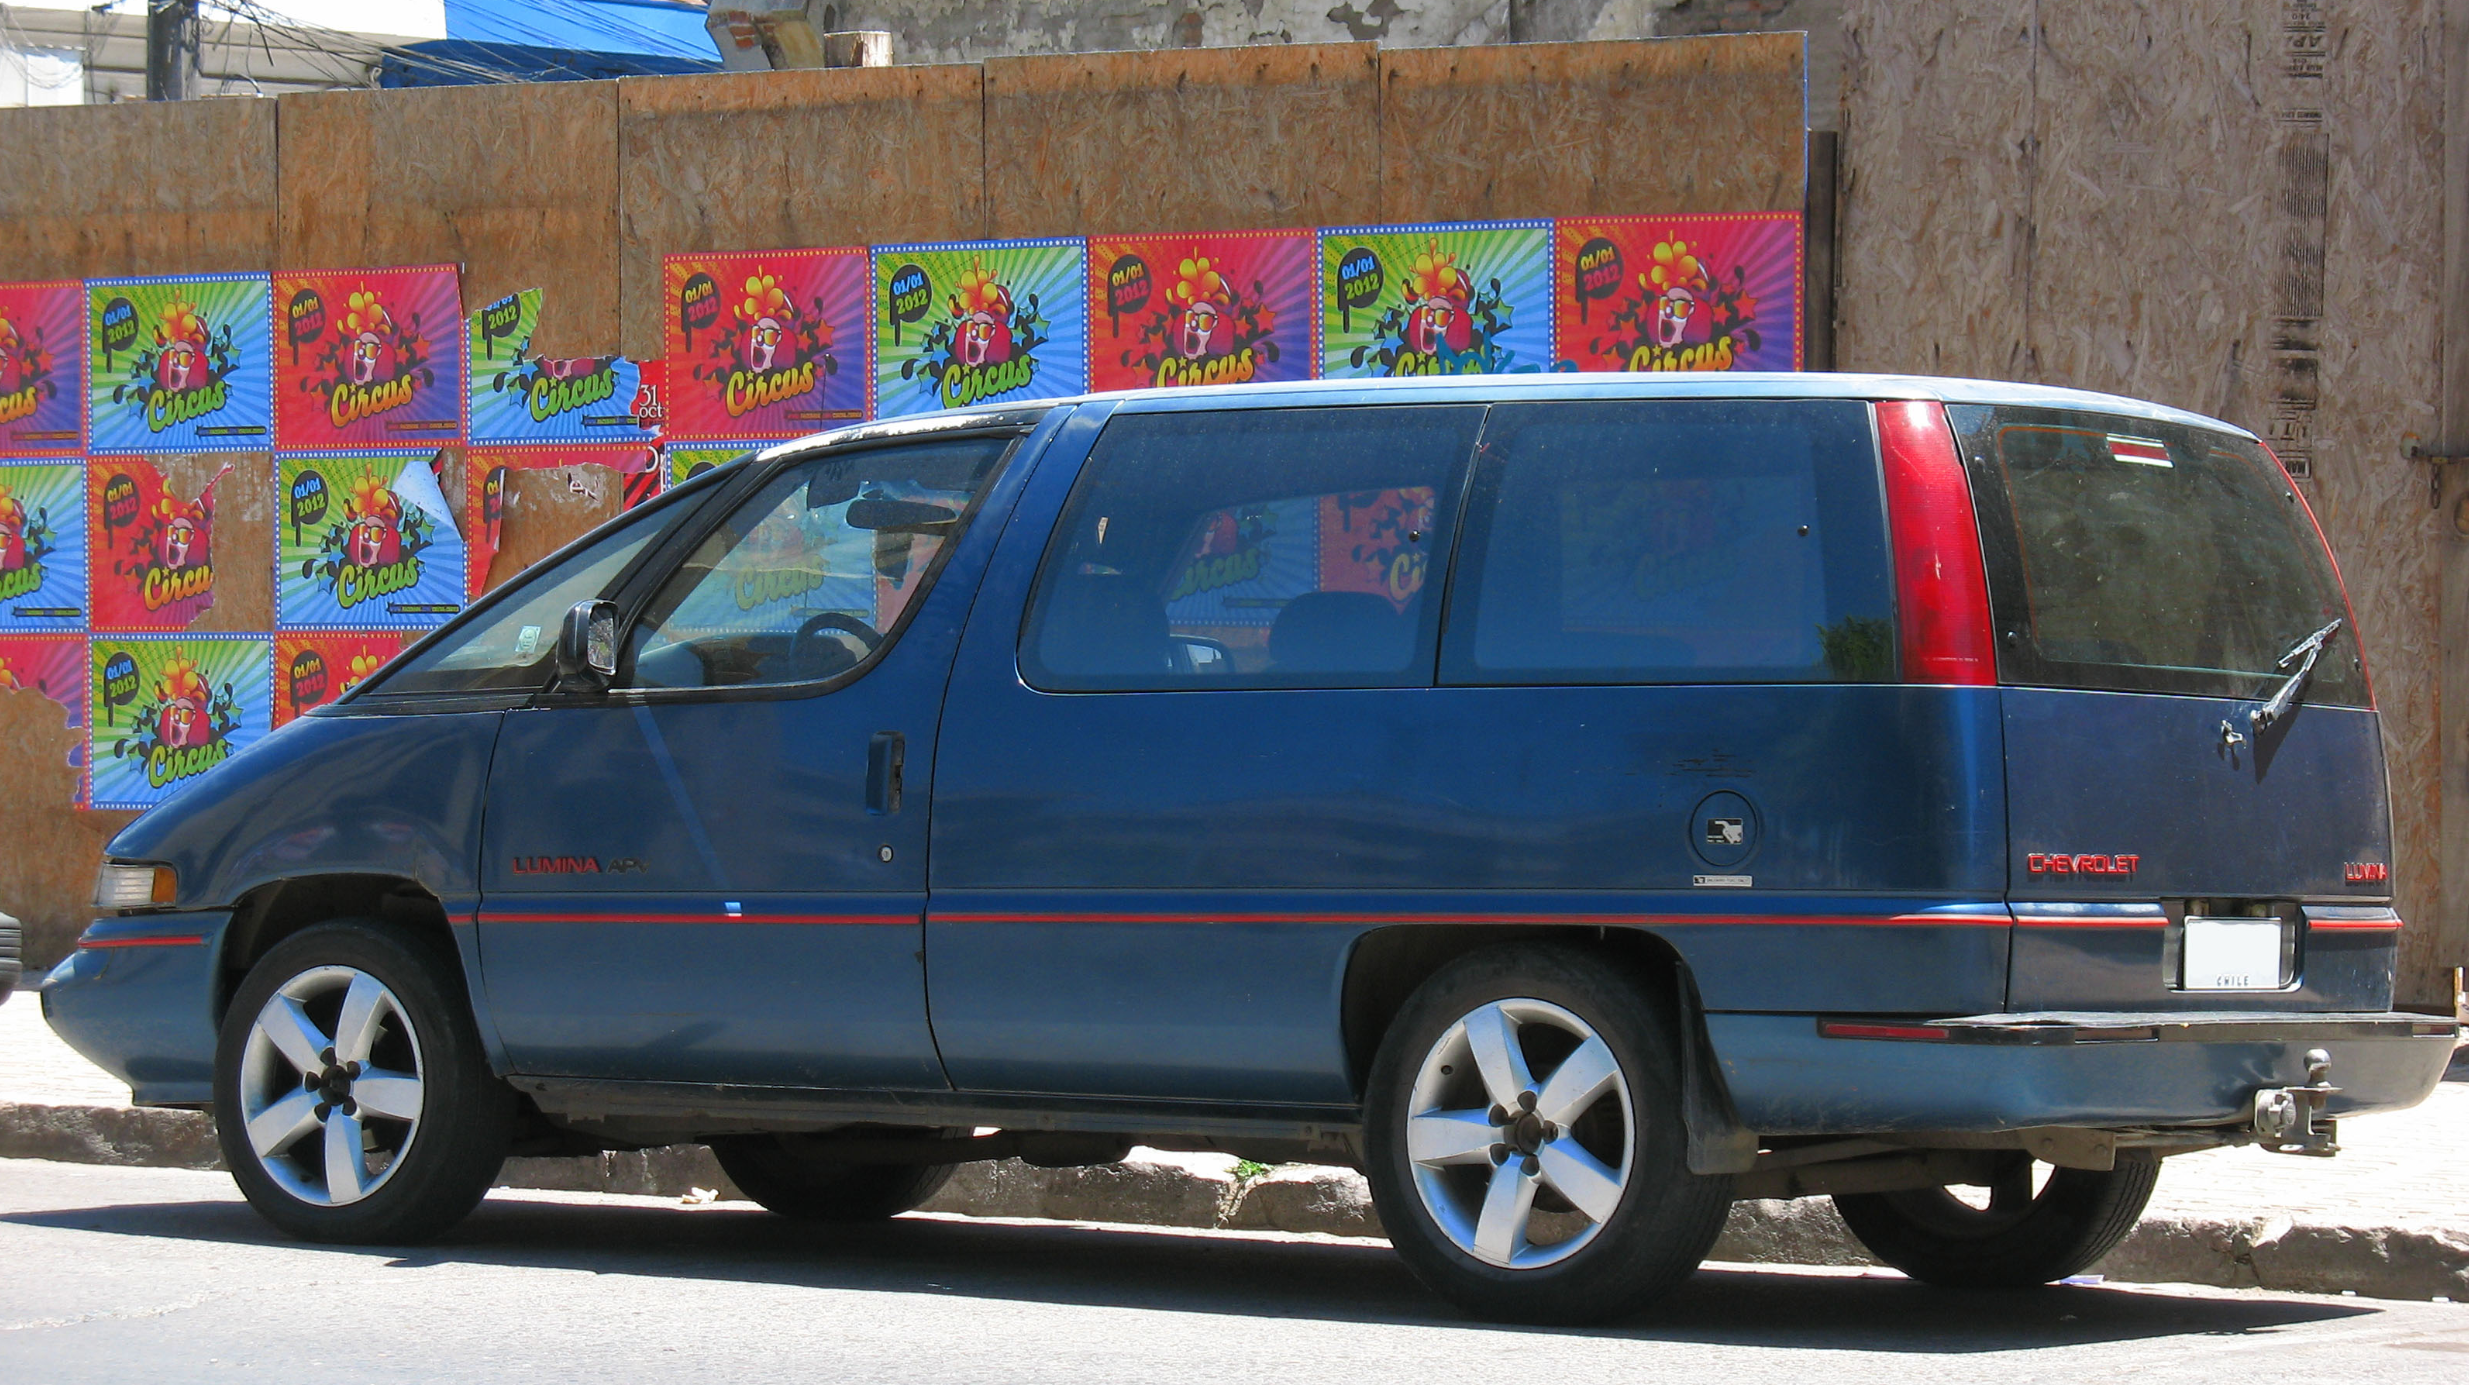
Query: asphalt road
[[165, 1275]]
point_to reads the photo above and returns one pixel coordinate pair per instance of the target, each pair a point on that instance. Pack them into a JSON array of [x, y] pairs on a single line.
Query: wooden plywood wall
[[1615, 129], [1185, 139], [92, 191], [773, 160], [2163, 198], [547, 507], [517, 183], [1933, 241]]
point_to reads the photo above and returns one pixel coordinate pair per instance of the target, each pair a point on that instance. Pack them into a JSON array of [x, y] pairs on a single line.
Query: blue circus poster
[[180, 364], [367, 541]]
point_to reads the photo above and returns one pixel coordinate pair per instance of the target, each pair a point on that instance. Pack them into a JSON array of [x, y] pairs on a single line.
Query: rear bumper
[[1803, 1074]]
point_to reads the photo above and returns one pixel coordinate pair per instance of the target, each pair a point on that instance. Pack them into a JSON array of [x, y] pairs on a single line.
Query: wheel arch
[[269, 913], [1386, 965]]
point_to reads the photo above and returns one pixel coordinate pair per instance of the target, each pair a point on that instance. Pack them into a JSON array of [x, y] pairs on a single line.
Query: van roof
[[1672, 385]]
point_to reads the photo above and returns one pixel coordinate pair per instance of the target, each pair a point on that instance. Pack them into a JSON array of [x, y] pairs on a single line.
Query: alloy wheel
[[1519, 1133], [331, 1085]]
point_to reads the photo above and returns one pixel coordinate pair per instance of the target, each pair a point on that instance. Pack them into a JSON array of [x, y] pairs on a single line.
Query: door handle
[[886, 756]]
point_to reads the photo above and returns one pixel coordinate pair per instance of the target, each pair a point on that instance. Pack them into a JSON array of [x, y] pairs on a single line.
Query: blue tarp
[[554, 41]]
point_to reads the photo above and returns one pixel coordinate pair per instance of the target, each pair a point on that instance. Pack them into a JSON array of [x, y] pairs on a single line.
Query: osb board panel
[[548, 508], [1542, 129], [2099, 204], [142, 188], [2141, 102], [517, 182], [1933, 237], [48, 861], [767, 160], [1183, 139], [2380, 385]]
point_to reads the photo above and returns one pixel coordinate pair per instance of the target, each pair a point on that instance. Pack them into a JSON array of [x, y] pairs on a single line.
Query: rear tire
[[2021, 1239], [351, 1098], [778, 1172], [1525, 1145]]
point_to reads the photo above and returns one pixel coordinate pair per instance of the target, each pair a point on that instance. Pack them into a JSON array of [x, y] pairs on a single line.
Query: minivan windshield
[[2141, 556]]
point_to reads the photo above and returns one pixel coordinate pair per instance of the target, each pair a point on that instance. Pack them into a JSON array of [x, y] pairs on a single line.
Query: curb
[[1217, 1192]]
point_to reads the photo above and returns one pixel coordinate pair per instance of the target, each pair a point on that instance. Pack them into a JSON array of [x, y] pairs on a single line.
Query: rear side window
[[1252, 548], [2138, 556], [1674, 541]]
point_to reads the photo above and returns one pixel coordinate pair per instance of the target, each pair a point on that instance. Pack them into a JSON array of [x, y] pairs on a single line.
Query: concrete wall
[[2211, 203], [946, 31], [973, 30], [579, 188]]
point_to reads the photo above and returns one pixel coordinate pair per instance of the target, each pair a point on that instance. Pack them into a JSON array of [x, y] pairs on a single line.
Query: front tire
[[351, 1098], [2021, 1239], [1525, 1145], [781, 1173]]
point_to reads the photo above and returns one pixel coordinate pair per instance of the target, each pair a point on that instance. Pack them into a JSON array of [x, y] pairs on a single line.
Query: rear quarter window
[[2136, 556], [1674, 541]]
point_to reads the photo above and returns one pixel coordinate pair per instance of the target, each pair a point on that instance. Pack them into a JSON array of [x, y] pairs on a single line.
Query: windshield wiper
[[2306, 651]]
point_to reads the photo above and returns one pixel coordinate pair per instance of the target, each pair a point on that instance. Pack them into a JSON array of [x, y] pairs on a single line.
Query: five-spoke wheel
[[351, 1099], [1494, 1141], [1524, 1141], [330, 1085]]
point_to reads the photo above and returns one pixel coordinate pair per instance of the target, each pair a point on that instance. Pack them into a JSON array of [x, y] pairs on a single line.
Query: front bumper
[[137, 998], [1812, 1075]]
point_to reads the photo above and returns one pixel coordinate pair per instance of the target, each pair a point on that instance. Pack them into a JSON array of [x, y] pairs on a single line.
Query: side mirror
[[587, 643]]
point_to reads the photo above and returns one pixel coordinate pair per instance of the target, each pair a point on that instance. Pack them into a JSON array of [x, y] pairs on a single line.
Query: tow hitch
[[2290, 1120]]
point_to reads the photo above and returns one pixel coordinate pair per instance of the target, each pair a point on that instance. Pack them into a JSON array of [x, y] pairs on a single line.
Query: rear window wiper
[[2304, 653]]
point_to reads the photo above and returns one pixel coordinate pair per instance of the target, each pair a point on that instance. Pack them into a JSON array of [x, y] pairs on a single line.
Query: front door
[[716, 871]]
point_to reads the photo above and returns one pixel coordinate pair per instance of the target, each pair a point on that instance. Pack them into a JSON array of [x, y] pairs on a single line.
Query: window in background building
[[42, 77]]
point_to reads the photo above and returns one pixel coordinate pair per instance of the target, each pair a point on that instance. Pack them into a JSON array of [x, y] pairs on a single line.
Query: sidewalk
[[2387, 1218]]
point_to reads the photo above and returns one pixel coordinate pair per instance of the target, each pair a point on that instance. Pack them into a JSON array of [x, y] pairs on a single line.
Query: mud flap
[[1717, 1142]]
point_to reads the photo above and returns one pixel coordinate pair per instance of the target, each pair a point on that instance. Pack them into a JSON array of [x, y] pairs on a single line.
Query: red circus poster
[[42, 368], [314, 667], [764, 344], [1711, 292], [1215, 308], [150, 549], [368, 358]]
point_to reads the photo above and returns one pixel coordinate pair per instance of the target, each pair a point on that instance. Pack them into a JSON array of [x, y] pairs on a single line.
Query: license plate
[[2236, 954]]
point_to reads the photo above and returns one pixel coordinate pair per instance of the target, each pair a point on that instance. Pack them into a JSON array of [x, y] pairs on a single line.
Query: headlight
[[122, 885]]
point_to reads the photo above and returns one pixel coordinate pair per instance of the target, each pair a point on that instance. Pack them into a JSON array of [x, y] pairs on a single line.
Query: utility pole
[[171, 49]]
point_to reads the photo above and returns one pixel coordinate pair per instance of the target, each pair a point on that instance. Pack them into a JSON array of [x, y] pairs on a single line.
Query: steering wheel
[[821, 621]]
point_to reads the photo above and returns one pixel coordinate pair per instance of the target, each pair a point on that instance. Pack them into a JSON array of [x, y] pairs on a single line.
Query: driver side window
[[811, 573]]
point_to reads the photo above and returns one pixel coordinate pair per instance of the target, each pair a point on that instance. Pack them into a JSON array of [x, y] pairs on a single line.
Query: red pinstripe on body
[[1588, 920], [697, 918]]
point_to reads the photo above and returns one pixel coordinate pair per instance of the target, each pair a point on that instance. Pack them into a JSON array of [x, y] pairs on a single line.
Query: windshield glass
[[2132, 555]]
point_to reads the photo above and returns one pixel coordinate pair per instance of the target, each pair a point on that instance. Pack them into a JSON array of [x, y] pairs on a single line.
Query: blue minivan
[[1578, 802]]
